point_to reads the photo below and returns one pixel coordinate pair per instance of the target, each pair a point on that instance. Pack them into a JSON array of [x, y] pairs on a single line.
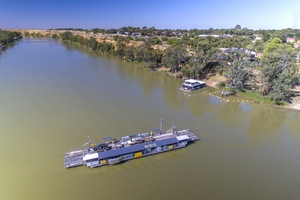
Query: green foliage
[[222, 84], [129, 53], [238, 27], [128, 39], [120, 50], [97, 30], [255, 96], [118, 38], [55, 36], [67, 36], [273, 45], [8, 36], [279, 72], [105, 48], [164, 39], [187, 71], [174, 56], [173, 41], [195, 68], [92, 43], [237, 72], [266, 37], [258, 46], [155, 41]]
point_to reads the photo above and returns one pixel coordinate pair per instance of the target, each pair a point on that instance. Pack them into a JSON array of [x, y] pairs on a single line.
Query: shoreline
[[295, 105]]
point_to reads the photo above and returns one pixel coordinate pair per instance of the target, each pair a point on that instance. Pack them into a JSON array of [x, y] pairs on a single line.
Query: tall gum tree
[[279, 72]]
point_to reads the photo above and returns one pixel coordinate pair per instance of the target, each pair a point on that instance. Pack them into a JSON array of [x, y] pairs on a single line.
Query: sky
[[162, 14]]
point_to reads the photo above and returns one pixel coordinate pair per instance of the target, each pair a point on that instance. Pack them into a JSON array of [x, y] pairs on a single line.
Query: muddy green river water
[[53, 97]]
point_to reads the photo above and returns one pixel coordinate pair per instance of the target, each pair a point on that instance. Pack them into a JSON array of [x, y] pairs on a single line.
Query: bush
[[222, 84]]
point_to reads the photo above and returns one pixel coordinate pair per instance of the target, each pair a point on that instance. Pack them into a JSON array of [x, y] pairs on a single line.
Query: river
[[53, 97]]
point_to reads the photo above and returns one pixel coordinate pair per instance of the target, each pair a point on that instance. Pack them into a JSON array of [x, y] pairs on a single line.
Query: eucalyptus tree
[[273, 45], [92, 43], [279, 72], [174, 57], [238, 69], [129, 53]]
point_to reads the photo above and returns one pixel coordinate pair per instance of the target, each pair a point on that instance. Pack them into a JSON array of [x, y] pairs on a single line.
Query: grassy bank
[[258, 98]]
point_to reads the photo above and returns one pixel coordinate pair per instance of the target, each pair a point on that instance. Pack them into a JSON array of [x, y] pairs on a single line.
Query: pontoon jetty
[[112, 151]]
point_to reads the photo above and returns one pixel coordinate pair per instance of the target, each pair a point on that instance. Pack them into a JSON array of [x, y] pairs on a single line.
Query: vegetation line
[[7, 37]]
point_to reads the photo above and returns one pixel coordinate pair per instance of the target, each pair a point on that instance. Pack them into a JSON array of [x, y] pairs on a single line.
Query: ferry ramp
[[74, 158]]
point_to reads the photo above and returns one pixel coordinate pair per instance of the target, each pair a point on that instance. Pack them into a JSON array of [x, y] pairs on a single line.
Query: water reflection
[[266, 121], [293, 124], [245, 106], [171, 93]]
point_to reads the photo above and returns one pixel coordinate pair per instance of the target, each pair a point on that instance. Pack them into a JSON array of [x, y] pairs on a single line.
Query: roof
[[191, 80], [194, 81], [90, 156], [166, 141], [134, 148], [183, 137]]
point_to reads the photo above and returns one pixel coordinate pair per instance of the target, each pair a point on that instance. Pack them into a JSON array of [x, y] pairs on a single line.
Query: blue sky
[[173, 14]]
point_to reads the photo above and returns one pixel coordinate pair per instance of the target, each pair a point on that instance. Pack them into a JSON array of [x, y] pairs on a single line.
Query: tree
[[258, 46], [67, 36], [282, 85], [273, 45], [129, 53], [237, 72], [54, 36], [8, 36], [279, 72], [174, 56], [195, 68], [92, 43], [266, 37], [128, 39], [120, 50], [238, 27], [155, 41]]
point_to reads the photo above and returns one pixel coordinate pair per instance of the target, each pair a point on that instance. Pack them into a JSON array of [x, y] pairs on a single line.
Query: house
[[136, 34], [290, 40], [204, 35], [257, 37], [227, 36]]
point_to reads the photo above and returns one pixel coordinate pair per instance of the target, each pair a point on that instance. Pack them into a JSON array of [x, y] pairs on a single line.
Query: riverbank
[[247, 96], [7, 38]]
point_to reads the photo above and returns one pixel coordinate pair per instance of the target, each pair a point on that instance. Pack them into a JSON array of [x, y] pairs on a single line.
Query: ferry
[[113, 151]]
